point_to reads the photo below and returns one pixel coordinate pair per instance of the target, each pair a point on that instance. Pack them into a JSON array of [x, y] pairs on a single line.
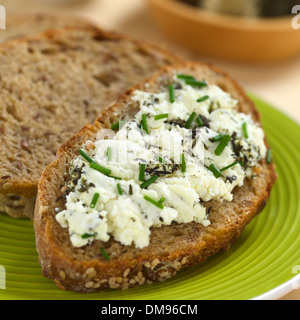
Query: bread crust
[[172, 248], [26, 187]]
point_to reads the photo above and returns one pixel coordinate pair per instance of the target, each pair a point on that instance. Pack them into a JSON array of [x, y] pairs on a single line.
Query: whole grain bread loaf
[[172, 248], [53, 84]]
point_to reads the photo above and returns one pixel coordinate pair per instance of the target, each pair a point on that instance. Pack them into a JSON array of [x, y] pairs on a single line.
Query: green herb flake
[[117, 178], [144, 123], [172, 93], [245, 130], [219, 137], [99, 168], [162, 160], [217, 173], [200, 122], [195, 83], [185, 77], [229, 166], [105, 255], [108, 152], [161, 116], [142, 172], [119, 189], [85, 156], [158, 204], [130, 190], [203, 98], [190, 120], [115, 126], [145, 184], [88, 235], [222, 145], [95, 200], [183, 163]]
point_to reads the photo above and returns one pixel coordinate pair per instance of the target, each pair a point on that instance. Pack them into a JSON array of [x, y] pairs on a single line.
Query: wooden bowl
[[225, 36]]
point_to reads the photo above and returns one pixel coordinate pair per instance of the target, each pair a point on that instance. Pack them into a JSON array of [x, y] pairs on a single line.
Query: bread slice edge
[[97, 274]]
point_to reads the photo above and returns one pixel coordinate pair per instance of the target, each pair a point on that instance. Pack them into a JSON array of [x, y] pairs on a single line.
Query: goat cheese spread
[[176, 153]]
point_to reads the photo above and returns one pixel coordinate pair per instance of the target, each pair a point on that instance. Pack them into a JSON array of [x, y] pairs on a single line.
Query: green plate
[[259, 264]]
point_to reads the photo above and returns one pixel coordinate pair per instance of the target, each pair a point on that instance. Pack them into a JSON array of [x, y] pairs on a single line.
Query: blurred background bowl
[[226, 36]]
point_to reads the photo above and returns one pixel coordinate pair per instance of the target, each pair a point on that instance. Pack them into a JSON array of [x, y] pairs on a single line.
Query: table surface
[[276, 82]]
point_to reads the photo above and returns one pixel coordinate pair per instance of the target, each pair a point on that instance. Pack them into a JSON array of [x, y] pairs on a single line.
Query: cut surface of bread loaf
[[172, 247], [53, 84]]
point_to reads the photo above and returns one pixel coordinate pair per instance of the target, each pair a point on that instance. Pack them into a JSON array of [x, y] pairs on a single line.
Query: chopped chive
[[105, 255], [203, 98], [215, 170], [200, 122], [185, 77], [161, 116], [217, 138], [99, 168], [148, 182], [172, 93], [195, 83], [142, 172], [162, 200], [190, 120], [108, 152], [159, 203], [117, 178], [144, 123], [118, 125], [115, 126], [130, 190], [269, 156], [87, 235], [221, 146], [229, 166], [85, 156], [161, 160], [183, 163], [94, 200], [245, 130], [119, 189]]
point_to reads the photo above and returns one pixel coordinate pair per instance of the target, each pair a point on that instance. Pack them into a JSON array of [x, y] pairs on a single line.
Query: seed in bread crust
[[154, 263], [114, 286], [184, 260], [165, 274], [96, 285], [89, 145], [89, 284], [62, 275], [119, 280], [112, 281], [90, 272], [126, 272], [177, 265], [7, 185]]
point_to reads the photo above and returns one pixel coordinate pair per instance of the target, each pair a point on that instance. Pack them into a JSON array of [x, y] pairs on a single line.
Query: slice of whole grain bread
[[53, 84], [172, 248], [24, 25]]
